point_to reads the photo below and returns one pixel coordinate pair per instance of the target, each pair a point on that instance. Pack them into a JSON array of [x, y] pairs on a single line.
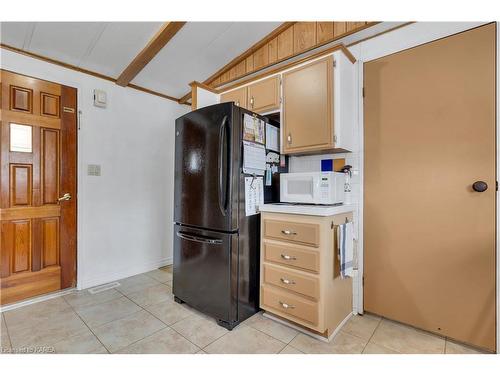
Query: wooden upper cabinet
[[264, 96], [308, 108], [238, 96]]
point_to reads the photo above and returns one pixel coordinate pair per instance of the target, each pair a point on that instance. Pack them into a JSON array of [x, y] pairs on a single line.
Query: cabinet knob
[[289, 138], [479, 186], [237, 103], [288, 257], [288, 232], [251, 101]]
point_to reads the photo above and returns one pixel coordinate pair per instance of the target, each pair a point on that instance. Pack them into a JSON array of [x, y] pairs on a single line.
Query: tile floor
[[140, 316]]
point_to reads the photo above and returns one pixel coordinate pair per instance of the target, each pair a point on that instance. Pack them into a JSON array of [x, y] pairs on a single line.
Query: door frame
[[399, 40]]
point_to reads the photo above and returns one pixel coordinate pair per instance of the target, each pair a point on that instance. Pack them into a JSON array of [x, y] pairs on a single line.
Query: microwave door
[[300, 189]]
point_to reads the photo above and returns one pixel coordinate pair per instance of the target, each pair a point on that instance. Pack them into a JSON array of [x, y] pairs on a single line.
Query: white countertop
[[308, 209]]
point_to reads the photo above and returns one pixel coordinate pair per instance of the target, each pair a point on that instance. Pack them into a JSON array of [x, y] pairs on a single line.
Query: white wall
[[125, 216]]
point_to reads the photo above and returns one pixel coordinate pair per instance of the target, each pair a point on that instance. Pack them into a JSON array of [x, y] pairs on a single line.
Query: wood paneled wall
[[291, 41]]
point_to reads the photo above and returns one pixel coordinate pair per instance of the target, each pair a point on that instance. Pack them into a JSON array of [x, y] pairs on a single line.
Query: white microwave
[[312, 187]]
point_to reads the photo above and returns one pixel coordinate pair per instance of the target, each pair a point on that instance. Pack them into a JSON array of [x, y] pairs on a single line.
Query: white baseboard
[[306, 331], [114, 275]]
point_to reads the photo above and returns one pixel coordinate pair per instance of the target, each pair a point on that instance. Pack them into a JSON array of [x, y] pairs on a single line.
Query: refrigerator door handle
[[190, 237], [223, 185]]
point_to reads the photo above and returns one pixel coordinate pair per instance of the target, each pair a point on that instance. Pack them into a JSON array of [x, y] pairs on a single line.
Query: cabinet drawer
[[287, 304], [292, 256], [291, 280], [291, 231]]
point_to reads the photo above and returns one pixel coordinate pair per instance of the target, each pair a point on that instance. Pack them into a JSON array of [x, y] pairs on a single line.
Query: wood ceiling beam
[[160, 40]]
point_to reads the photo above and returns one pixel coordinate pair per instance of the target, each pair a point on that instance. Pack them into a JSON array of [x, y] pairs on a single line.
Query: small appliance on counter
[[312, 187]]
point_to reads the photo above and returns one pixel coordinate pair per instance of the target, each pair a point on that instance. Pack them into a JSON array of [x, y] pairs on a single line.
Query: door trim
[[399, 40]]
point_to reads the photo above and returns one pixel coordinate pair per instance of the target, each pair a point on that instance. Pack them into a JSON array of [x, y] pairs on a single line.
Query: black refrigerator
[[216, 247]]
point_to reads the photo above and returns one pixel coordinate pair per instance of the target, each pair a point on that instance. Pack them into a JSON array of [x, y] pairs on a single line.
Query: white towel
[[346, 247]]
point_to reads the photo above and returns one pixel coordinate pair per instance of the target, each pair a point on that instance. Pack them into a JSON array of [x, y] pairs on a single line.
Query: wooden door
[[238, 96], [429, 238], [264, 96], [37, 187], [308, 107]]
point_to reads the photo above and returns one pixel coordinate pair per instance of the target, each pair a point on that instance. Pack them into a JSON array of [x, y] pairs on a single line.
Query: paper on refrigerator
[[254, 194], [254, 158]]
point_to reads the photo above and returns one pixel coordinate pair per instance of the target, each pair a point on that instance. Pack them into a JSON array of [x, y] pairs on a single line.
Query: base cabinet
[[300, 271]]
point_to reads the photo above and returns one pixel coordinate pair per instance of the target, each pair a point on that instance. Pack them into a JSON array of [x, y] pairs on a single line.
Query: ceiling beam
[[161, 38]]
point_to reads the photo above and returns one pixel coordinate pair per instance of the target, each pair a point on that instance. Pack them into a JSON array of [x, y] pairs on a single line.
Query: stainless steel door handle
[[65, 197], [287, 282], [288, 257], [286, 305], [189, 237], [288, 232]]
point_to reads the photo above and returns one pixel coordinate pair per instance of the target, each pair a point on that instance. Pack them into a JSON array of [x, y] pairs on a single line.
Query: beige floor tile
[[408, 340], [245, 340], [135, 284], [166, 341], [152, 295], [35, 313], [372, 348], [342, 343], [161, 275], [121, 333], [199, 329], [456, 348], [272, 328], [4, 336], [84, 343], [169, 268], [47, 331], [361, 325], [290, 350], [84, 298], [96, 315], [169, 311]]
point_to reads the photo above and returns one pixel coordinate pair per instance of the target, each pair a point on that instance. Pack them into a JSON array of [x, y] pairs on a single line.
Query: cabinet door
[[308, 107], [238, 96], [264, 96]]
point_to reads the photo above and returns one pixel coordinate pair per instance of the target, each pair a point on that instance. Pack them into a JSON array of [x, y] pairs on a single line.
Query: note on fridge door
[[272, 138], [254, 158], [254, 194]]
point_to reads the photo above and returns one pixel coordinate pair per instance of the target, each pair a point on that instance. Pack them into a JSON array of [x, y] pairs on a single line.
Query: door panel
[[203, 269], [238, 96], [429, 238], [206, 164], [308, 107], [38, 161], [264, 95]]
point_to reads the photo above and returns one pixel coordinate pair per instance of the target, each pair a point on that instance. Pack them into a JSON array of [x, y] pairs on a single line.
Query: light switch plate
[[93, 170]]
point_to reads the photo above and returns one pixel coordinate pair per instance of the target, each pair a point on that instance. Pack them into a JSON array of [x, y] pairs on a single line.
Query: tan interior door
[[37, 187], [429, 238]]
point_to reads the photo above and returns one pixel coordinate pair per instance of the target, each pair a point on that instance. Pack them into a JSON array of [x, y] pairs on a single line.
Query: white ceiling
[[194, 53]]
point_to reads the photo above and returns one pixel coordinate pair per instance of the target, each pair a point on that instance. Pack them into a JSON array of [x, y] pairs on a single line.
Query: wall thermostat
[[100, 98]]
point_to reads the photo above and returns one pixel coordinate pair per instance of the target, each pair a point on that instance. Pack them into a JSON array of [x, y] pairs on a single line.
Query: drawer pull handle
[[288, 257], [286, 305], [288, 232], [286, 281]]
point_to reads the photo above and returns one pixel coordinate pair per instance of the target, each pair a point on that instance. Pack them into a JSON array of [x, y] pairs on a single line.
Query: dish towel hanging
[[346, 247]]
